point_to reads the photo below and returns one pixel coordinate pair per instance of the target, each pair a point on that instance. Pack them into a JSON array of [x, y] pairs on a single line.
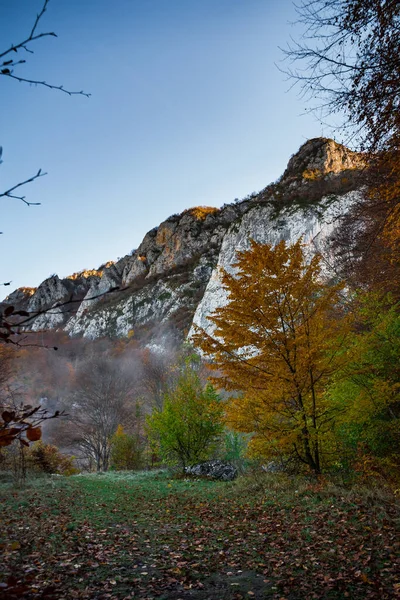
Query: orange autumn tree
[[277, 342]]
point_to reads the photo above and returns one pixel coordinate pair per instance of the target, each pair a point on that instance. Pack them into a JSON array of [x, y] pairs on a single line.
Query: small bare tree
[[102, 398], [157, 372]]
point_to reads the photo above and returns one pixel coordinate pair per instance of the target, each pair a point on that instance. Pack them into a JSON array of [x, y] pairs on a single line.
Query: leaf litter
[[153, 537]]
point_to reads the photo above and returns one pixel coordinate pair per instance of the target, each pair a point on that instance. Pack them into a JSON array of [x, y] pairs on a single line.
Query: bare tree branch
[[7, 67], [8, 193], [32, 37], [348, 61], [48, 85]]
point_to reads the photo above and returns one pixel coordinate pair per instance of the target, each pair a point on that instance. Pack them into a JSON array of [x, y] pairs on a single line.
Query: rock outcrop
[[172, 278], [213, 469], [321, 157]]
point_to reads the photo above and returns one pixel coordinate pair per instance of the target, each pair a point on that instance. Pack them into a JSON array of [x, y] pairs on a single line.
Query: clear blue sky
[[187, 108]]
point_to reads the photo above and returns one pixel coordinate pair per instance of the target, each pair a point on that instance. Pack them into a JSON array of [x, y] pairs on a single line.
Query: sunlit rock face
[[172, 278], [314, 225], [162, 281], [50, 299], [109, 279], [321, 157], [179, 240], [161, 305], [319, 185], [20, 297]]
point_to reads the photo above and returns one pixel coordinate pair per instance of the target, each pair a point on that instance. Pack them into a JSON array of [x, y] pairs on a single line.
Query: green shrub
[[188, 427], [127, 451]]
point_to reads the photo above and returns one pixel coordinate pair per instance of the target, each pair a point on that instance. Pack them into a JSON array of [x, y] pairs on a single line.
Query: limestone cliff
[[173, 276]]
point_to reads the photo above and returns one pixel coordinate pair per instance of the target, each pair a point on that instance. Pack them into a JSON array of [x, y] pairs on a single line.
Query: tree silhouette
[[10, 62], [348, 59]]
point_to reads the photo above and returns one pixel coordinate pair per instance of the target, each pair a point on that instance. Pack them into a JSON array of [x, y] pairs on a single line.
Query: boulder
[[213, 469]]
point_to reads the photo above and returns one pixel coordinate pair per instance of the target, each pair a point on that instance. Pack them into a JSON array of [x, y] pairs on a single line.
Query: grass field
[[147, 535]]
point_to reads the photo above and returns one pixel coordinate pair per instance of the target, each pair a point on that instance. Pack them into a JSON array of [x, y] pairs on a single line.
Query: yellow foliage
[[85, 273], [120, 431], [29, 291], [278, 342], [201, 212], [312, 174]]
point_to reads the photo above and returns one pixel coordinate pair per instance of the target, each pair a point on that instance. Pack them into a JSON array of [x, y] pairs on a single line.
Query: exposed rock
[[213, 469], [20, 297], [273, 467], [53, 318], [315, 225], [319, 157], [51, 290], [110, 278], [165, 277], [173, 278], [169, 300]]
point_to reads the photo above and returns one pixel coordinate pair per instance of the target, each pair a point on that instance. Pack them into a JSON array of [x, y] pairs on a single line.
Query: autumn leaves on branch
[[278, 341], [302, 361], [23, 424]]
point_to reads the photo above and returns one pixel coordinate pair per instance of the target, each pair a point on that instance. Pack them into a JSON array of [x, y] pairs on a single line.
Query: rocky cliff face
[[315, 225], [172, 278]]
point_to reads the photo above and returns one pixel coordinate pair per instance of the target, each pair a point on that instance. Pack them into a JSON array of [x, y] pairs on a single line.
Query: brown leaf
[[7, 416], [15, 546], [34, 434], [6, 440]]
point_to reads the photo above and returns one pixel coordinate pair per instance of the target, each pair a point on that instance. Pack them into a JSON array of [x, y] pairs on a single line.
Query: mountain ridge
[[165, 280]]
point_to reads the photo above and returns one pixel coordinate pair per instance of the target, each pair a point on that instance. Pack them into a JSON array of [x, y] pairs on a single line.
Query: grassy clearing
[[148, 535]]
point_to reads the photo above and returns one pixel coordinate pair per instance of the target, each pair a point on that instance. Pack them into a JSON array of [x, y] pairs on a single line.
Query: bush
[[46, 458], [234, 448], [188, 427], [127, 451]]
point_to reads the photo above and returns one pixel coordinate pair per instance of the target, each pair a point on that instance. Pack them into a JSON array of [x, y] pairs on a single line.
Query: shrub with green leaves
[[126, 451], [188, 427], [367, 393], [234, 447]]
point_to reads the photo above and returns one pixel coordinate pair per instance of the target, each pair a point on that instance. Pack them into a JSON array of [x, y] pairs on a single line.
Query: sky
[[188, 107]]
